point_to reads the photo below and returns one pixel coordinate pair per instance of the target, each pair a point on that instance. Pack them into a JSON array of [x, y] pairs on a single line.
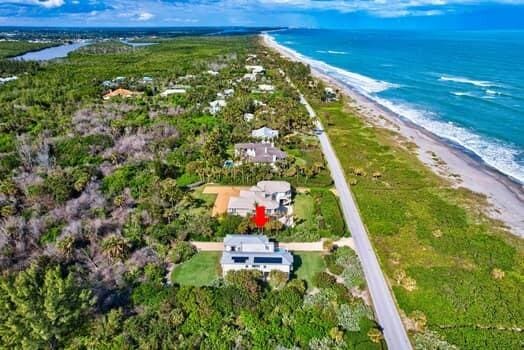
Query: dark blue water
[[467, 87]]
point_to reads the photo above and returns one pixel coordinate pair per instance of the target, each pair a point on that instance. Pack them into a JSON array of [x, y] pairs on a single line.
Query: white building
[[216, 106], [173, 91], [265, 133], [254, 252], [249, 117], [266, 88], [255, 69]]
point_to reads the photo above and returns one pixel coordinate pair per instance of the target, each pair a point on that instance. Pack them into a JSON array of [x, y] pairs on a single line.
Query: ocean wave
[[338, 52], [496, 154], [359, 82], [333, 52], [462, 93], [462, 80]]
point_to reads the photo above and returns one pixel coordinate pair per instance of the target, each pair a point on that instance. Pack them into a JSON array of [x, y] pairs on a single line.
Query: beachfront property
[[265, 133], [330, 95], [275, 196], [254, 252], [119, 93], [259, 153], [216, 106]]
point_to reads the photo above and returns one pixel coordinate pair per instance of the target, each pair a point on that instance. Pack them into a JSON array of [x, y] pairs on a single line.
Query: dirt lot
[[223, 193]]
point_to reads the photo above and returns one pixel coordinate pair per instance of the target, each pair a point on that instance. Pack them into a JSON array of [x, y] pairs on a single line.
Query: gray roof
[[264, 152], [286, 258], [274, 186], [235, 240]]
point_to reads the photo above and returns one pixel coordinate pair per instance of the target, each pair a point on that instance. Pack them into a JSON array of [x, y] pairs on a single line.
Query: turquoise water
[[466, 87]]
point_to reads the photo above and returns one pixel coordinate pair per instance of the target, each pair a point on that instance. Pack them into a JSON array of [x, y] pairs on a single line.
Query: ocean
[[466, 87]]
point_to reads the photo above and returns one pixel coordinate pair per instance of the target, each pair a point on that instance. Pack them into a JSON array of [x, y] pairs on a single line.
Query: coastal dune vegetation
[[457, 276]]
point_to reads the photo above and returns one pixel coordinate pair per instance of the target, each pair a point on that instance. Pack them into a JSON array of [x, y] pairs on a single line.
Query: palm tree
[[115, 246]]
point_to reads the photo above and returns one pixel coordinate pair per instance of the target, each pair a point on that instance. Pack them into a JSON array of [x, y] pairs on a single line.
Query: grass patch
[[200, 270], [423, 228], [307, 265]]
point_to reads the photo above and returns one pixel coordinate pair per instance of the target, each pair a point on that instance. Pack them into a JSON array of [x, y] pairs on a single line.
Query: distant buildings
[[264, 88], [249, 117], [173, 91], [216, 106], [265, 133], [329, 95], [254, 252], [119, 93], [259, 153]]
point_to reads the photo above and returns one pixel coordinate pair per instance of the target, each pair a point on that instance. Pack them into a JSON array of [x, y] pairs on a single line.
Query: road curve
[[385, 308]]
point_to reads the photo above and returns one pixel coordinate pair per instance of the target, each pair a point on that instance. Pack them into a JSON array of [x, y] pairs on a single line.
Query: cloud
[[43, 3], [144, 16]]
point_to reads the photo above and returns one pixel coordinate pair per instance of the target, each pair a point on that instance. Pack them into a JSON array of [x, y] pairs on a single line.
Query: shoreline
[[504, 195]]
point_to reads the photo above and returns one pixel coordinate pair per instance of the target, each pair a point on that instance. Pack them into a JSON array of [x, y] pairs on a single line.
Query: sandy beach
[[504, 196]]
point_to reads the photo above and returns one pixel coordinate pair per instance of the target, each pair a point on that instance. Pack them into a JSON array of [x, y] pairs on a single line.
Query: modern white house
[[265, 133], [254, 252], [216, 106], [275, 196], [259, 153]]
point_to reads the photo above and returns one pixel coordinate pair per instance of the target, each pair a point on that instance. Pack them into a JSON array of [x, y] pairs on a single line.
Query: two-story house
[[254, 252]]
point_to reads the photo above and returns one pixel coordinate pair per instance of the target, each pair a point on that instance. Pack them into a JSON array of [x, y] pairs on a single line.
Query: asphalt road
[[385, 307]]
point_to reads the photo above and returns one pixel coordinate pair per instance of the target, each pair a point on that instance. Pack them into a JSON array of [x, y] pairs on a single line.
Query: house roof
[[278, 257], [264, 152], [274, 186], [120, 92], [265, 132], [235, 240]]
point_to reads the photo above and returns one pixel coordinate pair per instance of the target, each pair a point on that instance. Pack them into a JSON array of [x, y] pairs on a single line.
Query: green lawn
[[200, 270], [307, 264]]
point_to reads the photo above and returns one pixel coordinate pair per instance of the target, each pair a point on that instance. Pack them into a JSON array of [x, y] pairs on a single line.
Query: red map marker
[[260, 218]]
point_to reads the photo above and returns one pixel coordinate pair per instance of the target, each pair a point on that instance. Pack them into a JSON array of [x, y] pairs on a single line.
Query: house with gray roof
[[259, 153], [254, 252], [265, 133], [275, 196]]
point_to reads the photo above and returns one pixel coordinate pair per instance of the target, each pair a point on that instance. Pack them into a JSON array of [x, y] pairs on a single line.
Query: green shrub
[[77, 151], [182, 251], [7, 143], [324, 280], [331, 263]]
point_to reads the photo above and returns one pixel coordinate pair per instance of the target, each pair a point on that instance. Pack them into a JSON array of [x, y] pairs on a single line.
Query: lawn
[[200, 270], [307, 264]]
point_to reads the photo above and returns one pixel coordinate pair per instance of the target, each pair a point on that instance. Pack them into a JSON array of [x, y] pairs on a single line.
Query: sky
[[379, 14]]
